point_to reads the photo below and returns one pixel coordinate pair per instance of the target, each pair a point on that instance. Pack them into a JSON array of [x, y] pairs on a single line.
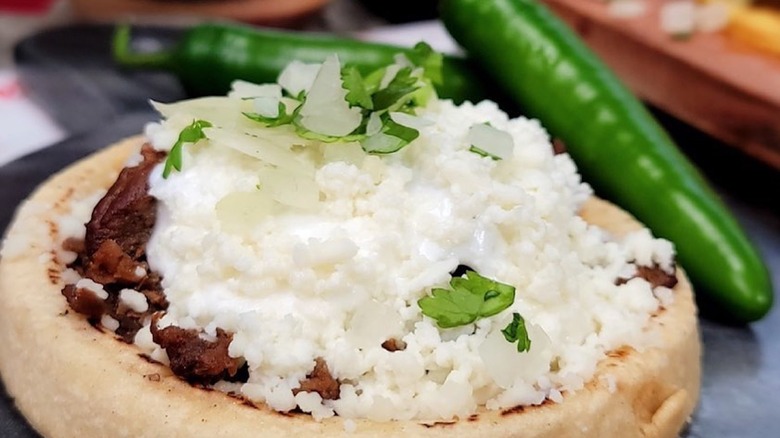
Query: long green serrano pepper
[[210, 56], [617, 145]]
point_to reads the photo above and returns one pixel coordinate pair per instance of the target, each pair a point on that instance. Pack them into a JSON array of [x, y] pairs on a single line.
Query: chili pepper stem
[[126, 57]]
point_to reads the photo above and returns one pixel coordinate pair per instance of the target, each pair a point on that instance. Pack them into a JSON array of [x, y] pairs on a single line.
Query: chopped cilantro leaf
[[404, 92], [479, 151], [430, 60], [282, 119], [470, 298], [516, 332], [392, 138], [357, 93], [189, 134], [402, 85]]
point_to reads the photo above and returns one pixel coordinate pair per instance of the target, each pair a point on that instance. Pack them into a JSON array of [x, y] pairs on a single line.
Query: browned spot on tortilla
[[148, 358], [290, 414], [515, 410], [65, 198], [439, 424], [521, 409], [241, 398], [473, 417], [96, 325], [154, 377], [53, 272], [620, 353], [53, 230]]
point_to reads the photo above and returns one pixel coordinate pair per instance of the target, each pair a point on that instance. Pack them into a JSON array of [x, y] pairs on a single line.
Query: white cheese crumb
[[96, 288], [70, 276], [664, 295], [555, 396], [160, 355], [338, 279], [312, 402], [109, 322], [139, 272], [134, 300], [143, 339]]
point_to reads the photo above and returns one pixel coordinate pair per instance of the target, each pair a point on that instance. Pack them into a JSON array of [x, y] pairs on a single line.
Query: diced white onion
[[504, 364], [491, 140], [326, 110], [269, 145], [381, 142], [243, 90], [374, 324], [374, 124], [298, 76], [389, 75], [219, 111], [410, 121], [267, 106]]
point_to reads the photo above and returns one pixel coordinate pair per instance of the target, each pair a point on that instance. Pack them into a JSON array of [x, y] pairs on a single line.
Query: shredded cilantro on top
[[190, 134], [410, 87], [483, 153], [516, 332], [471, 297]]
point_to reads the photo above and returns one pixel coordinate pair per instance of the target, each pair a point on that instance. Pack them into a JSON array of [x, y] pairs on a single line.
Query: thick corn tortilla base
[[71, 380]]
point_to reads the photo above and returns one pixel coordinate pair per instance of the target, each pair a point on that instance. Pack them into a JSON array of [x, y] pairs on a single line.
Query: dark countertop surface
[[68, 73]]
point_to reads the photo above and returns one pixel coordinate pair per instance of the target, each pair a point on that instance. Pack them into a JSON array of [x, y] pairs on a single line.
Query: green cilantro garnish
[[430, 60], [516, 332], [483, 153], [281, 119], [391, 138], [189, 134], [407, 90], [401, 86], [357, 93], [471, 297]]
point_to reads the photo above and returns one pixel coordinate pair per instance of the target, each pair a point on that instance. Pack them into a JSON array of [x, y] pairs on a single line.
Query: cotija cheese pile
[[326, 215]]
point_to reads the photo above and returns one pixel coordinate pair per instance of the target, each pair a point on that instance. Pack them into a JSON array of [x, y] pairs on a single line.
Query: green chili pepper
[[617, 145], [212, 55]]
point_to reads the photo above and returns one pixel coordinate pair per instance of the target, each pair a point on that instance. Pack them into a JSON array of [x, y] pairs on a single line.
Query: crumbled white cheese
[[134, 300], [336, 279], [96, 288], [109, 322]]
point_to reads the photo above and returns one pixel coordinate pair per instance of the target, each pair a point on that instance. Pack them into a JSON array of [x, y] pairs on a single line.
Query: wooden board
[[727, 90]]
